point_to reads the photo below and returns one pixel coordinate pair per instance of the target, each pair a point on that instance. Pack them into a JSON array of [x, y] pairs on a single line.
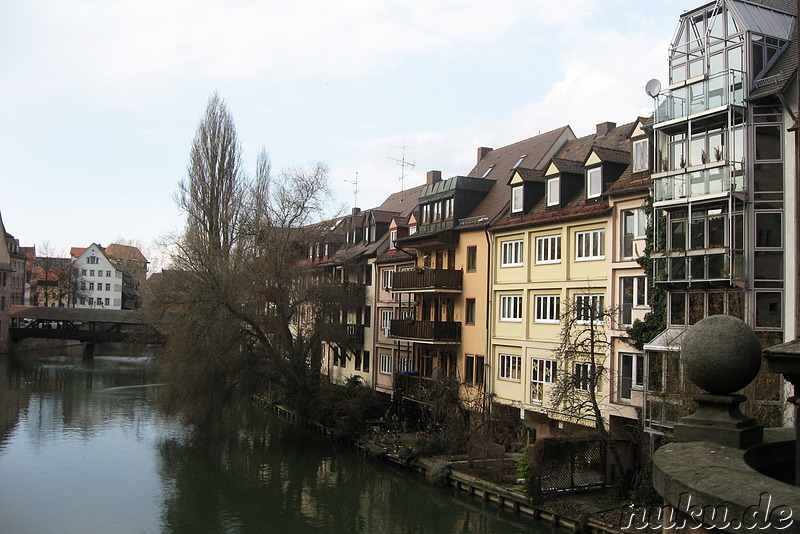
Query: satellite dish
[[653, 87]]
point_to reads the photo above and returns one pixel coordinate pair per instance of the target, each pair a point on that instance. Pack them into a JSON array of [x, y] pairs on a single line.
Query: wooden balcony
[[430, 280], [355, 333], [448, 332]]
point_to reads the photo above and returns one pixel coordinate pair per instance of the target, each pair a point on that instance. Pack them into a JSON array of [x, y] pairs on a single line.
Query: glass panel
[[679, 101], [678, 73], [768, 265], [768, 309], [678, 235], [677, 308], [696, 68], [716, 180], [677, 268], [716, 231], [698, 234], [697, 307], [736, 304], [697, 184], [716, 303], [716, 266], [769, 230], [698, 266], [626, 377], [716, 92], [768, 143], [768, 177], [697, 151], [735, 58]]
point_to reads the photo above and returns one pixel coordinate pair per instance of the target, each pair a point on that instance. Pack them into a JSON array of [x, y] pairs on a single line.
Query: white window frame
[[392, 239], [516, 199], [387, 278], [590, 245], [511, 253], [548, 309], [511, 308], [386, 321], [510, 367], [639, 230], [596, 301], [638, 282], [548, 249], [554, 191], [543, 371], [426, 213], [594, 182], [640, 154], [385, 364], [637, 372]]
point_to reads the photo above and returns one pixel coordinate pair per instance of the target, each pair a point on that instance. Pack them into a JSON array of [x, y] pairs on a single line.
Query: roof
[[51, 313], [502, 161], [402, 202], [780, 74], [125, 252]]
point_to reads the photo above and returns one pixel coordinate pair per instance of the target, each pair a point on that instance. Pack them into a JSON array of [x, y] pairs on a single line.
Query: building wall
[[95, 275]]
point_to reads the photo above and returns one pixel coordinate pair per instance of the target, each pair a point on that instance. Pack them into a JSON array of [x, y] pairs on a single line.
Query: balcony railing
[[712, 92], [427, 279], [700, 266], [691, 183], [431, 331], [355, 333]]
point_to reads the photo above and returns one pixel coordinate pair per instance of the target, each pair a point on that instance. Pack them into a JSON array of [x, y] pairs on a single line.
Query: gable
[[551, 170], [638, 131], [592, 159], [516, 179]]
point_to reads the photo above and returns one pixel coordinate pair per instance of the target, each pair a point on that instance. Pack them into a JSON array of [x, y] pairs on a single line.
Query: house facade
[[724, 189], [101, 282]]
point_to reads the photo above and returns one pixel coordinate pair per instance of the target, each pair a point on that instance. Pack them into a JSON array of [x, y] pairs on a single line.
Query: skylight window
[[487, 171], [520, 160]]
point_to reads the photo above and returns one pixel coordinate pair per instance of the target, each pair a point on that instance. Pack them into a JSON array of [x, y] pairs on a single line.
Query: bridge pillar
[[88, 350]]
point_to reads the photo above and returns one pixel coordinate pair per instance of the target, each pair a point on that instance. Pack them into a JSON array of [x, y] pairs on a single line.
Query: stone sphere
[[722, 354]]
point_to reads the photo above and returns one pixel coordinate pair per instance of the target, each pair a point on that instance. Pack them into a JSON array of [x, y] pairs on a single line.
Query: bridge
[[86, 325]]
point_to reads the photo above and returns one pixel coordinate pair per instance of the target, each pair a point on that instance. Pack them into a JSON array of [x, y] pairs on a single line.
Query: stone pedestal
[[719, 420]]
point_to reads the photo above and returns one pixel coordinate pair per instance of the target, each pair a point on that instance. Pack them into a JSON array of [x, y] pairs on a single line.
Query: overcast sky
[[101, 98]]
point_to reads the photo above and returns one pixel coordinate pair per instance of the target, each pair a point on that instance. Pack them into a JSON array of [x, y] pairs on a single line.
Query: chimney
[[482, 151], [604, 127], [356, 211], [433, 177]]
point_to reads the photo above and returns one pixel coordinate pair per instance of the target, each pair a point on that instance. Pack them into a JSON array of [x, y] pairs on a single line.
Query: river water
[[85, 449]]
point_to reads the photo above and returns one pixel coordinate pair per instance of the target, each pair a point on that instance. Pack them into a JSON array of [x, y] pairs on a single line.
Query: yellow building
[[554, 265]]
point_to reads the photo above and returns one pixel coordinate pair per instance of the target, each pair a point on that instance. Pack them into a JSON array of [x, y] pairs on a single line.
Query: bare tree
[[251, 310], [581, 356]]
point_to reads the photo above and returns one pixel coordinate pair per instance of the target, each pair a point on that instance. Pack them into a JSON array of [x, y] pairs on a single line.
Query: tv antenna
[[403, 165], [354, 181]]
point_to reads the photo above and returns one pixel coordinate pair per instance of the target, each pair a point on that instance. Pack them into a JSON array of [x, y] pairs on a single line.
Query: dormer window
[[516, 199], [426, 214], [392, 238], [594, 182], [554, 191], [640, 155], [412, 230]]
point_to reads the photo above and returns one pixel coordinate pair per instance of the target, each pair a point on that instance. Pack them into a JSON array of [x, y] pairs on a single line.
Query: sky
[[101, 98]]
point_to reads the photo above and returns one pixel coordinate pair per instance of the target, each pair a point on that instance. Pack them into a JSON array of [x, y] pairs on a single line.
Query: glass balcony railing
[[700, 266], [697, 183], [715, 91]]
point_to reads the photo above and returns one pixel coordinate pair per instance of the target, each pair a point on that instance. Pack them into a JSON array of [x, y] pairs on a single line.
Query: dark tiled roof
[[530, 175], [396, 255], [402, 202], [612, 155], [571, 211], [502, 161]]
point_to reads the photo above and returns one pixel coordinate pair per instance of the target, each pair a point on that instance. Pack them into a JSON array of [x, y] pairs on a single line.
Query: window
[[367, 273], [311, 250], [386, 363], [92, 260], [594, 182], [367, 316], [634, 226], [366, 362], [472, 259], [548, 249], [553, 191], [768, 309], [392, 238], [633, 295], [91, 286], [357, 359], [83, 272], [437, 211], [585, 376], [426, 213], [516, 199], [640, 155], [107, 301], [91, 272], [631, 373], [91, 301], [473, 370], [404, 364], [542, 372], [386, 279], [510, 366], [108, 274], [511, 254], [547, 309], [511, 308], [108, 287], [487, 172], [589, 308], [590, 245], [520, 160], [470, 312], [386, 321]]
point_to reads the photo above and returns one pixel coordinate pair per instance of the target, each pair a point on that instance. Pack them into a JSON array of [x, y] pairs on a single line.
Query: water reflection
[[84, 448]]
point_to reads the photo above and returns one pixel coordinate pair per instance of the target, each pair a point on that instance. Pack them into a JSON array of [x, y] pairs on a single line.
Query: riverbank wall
[[474, 487]]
